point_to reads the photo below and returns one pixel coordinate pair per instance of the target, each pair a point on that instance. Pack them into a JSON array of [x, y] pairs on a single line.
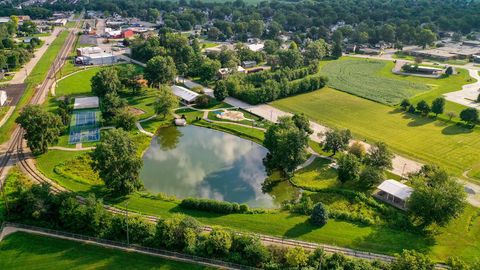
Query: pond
[[193, 161]]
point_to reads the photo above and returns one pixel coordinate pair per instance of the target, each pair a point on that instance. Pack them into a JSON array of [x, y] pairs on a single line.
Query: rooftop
[[184, 93], [85, 103], [396, 189]]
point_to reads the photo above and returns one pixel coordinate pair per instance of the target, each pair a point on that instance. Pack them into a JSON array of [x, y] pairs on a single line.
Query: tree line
[[38, 205]]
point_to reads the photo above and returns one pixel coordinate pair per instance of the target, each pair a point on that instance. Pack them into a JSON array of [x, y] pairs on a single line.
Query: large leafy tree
[[221, 91], [336, 140], [208, 69], [106, 81], [166, 101], [438, 105], [286, 144], [348, 168], [316, 51], [41, 127], [117, 162], [160, 70], [469, 116], [437, 197], [410, 259], [112, 104], [379, 156]]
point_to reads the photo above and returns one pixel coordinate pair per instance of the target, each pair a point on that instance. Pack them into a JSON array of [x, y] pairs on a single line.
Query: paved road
[[469, 93]]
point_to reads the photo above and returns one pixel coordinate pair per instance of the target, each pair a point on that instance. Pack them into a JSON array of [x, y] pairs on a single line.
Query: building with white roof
[[186, 96], [88, 50], [3, 97], [394, 193], [86, 103]]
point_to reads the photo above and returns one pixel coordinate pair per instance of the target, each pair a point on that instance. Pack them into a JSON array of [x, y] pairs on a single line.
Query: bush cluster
[[214, 206], [258, 79]]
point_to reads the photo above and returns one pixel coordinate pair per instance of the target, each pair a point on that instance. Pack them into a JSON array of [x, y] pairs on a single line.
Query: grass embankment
[[451, 146], [36, 76], [28, 251], [461, 236]]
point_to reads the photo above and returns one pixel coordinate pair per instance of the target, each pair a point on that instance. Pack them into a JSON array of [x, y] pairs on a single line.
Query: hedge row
[[258, 79], [214, 206]]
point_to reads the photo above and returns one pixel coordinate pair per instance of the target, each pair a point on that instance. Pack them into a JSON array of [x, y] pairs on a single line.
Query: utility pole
[[126, 213]]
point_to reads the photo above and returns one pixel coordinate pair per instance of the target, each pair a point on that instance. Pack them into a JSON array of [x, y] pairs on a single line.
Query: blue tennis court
[[83, 135], [85, 118]]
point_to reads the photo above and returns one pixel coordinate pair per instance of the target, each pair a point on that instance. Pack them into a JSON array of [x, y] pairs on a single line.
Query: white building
[[88, 50], [3, 97], [86, 103], [187, 96], [96, 59], [394, 193]]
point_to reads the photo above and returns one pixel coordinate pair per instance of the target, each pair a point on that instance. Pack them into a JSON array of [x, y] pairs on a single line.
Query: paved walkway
[[469, 93]]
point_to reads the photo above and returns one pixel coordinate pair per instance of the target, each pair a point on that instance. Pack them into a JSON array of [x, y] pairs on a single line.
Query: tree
[[316, 51], [160, 70], [125, 120], [469, 116], [302, 122], [106, 81], [411, 109], [112, 104], [423, 107], [336, 50], [208, 69], [357, 149], [438, 106], [405, 104], [64, 110], [178, 232], [436, 198], [286, 144], [256, 28], [319, 215], [348, 168], [451, 115], [117, 162], [379, 156], [449, 71], [41, 128], [220, 91], [218, 242], [296, 257], [371, 176], [410, 259], [291, 58], [336, 140], [426, 37], [202, 101], [166, 102]]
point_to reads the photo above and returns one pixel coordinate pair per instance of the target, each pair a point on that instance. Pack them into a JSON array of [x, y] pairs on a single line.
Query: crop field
[[27, 251], [361, 78], [428, 140]]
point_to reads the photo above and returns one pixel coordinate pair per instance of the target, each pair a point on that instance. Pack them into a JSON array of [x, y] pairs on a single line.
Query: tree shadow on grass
[[456, 129], [396, 111], [420, 121], [392, 241], [300, 229]]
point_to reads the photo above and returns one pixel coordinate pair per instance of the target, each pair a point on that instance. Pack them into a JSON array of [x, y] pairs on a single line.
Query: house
[[224, 72], [3, 97], [256, 47], [85, 103], [59, 22], [248, 64], [185, 95], [127, 33], [476, 59], [394, 193]]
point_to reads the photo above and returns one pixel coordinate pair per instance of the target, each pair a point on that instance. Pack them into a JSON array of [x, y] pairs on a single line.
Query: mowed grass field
[[425, 139], [28, 251], [361, 77]]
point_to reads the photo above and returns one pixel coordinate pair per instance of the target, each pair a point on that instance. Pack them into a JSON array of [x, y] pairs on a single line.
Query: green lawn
[[28, 251], [461, 236], [36, 76], [448, 145], [362, 77]]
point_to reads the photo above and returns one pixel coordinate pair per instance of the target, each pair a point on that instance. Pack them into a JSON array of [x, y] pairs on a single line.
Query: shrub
[[319, 215], [214, 206]]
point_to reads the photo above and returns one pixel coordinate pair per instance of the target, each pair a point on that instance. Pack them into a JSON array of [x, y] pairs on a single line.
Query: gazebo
[[394, 193]]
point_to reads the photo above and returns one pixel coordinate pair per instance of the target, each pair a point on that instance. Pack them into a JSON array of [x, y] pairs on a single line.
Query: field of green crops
[[362, 78]]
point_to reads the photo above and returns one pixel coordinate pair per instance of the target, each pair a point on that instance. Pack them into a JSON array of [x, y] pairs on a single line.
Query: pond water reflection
[[198, 162]]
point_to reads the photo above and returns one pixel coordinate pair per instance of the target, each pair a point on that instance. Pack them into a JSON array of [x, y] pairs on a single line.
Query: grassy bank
[[36, 76], [28, 251]]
